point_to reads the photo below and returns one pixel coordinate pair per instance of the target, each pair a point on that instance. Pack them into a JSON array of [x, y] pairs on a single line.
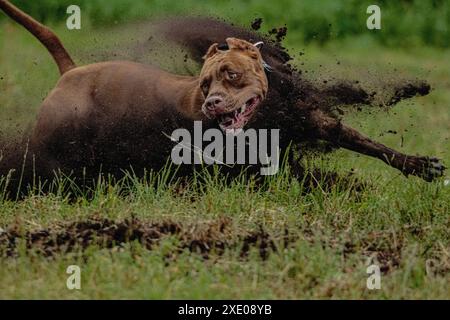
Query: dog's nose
[[215, 103]]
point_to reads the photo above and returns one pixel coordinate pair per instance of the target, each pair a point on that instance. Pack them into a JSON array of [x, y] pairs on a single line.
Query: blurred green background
[[404, 22]]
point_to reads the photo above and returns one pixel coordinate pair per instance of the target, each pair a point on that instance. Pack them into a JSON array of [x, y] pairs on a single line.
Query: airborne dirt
[[197, 34]]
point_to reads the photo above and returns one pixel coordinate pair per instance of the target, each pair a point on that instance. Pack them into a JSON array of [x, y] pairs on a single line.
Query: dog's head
[[233, 82]]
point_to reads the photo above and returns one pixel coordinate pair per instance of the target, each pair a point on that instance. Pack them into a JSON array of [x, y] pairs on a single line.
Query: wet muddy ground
[[204, 238], [207, 239]]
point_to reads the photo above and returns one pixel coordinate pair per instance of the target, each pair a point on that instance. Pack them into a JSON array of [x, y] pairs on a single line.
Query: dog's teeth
[[243, 108]]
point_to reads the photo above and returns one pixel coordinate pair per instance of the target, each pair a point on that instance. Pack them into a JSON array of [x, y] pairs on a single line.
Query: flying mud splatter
[[197, 34]]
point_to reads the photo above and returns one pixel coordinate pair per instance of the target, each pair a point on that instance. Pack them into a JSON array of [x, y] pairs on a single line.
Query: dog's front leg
[[332, 130]]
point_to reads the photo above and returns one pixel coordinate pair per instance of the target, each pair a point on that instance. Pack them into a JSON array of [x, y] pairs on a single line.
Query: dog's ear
[[213, 49], [247, 47]]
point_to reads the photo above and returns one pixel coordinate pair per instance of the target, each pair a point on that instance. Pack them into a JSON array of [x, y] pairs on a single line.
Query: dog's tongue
[[237, 118]]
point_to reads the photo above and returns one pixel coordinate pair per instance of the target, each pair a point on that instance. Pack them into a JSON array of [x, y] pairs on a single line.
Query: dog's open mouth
[[238, 118]]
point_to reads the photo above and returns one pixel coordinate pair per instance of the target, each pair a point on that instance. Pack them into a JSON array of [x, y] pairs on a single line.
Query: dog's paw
[[425, 167]]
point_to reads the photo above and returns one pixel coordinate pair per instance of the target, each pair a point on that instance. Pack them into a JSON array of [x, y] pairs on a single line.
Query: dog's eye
[[232, 75]]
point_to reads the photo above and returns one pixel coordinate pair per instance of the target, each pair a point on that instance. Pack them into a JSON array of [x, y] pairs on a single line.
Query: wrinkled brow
[[228, 66]]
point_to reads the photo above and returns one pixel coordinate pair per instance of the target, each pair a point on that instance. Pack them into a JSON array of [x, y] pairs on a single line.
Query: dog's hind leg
[[333, 131]]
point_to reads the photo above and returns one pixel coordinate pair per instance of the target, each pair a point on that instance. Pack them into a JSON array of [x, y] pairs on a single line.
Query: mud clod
[[279, 33], [261, 240], [256, 24], [409, 90]]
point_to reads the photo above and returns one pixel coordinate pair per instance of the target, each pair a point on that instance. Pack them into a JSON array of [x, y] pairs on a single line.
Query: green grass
[[308, 20], [404, 221]]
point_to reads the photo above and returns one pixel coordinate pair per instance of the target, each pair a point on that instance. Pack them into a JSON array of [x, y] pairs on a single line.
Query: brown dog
[[114, 113]]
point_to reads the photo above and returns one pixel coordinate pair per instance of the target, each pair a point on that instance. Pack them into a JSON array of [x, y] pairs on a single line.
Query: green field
[[322, 240]]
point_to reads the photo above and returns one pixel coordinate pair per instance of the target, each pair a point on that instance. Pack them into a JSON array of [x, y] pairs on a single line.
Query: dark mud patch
[[205, 238], [380, 248], [209, 239]]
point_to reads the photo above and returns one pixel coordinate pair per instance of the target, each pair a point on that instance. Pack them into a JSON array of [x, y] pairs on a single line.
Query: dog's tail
[[43, 34]]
